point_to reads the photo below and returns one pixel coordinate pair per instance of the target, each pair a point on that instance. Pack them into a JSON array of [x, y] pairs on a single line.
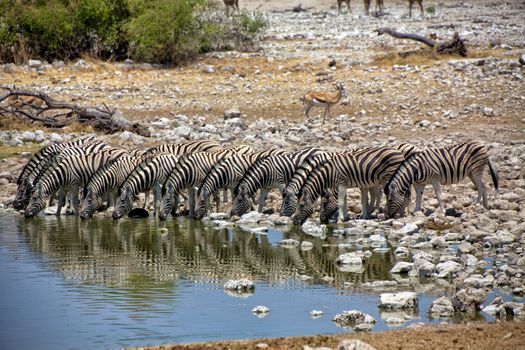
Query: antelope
[[19, 101], [380, 6], [321, 99], [340, 6], [234, 4], [411, 2]]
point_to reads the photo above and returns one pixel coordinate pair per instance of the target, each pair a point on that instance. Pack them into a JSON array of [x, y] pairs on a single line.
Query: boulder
[[441, 307], [353, 318], [401, 300], [468, 299]]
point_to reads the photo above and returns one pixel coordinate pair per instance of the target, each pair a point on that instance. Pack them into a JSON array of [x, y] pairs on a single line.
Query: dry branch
[[455, 46], [104, 119]]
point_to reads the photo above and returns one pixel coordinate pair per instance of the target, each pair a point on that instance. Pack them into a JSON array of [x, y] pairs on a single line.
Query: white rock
[[352, 318], [424, 267], [183, 131], [349, 259], [448, 268], [219, 216], [251, 217], [401, 300], [242, 285], [408, 229], [305, 245], [28, 136], [402, 267], [279, 220], [441, 307], [260, 309], [34, 63], [81, 65], [354, 344], [316, 313], [313, 229], [51, 210], [232, 113]]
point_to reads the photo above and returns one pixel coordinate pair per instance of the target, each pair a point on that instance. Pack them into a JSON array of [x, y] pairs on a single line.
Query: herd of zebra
[[96, 176]]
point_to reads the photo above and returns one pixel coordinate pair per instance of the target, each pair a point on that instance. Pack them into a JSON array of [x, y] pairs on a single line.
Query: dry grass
[[427, 56], [10, 122]]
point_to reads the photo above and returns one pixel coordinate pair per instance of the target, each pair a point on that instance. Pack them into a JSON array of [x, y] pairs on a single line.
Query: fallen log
[[103, 119], [455, 46]]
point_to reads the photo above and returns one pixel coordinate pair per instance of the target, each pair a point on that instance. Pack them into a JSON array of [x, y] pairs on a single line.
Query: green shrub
[[160, 31]]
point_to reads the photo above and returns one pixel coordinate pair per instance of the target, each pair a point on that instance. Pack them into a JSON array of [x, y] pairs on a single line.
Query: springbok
[[322, 99], [411, 2], [380, 6], [19, 101], [340, 6], [234, 4]]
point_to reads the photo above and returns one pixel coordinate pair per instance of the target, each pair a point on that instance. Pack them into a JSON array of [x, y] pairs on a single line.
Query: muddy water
[[68, 283]]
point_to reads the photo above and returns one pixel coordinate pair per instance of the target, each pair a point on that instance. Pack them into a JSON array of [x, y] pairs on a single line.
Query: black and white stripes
[[93, 170], [439, 166]]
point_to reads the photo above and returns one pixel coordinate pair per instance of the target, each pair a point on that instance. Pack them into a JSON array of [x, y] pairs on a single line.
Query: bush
[[161, 31]]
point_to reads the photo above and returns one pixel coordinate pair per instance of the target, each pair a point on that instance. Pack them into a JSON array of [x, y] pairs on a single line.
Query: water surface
[[67, 283]]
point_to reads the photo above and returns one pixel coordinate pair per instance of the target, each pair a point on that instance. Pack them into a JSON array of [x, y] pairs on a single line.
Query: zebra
[[439, 166], [274, 171], [291, 191], [68, 173], [189, 173], [226, 174], [47, 158], [150, 173], [107, 179], [186, 147], [366, 168]]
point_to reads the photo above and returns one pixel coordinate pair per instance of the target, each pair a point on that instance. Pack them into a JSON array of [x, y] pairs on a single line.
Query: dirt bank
[[503, 335]]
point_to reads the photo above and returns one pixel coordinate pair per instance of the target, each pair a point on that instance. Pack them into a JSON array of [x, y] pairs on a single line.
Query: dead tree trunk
[[103, 119], [456, 46]]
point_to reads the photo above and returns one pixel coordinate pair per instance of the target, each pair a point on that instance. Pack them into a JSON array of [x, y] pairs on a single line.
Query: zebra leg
[[262, 199], [156, 198], [191, 201], [146, 199], [437, 190], [419, 196], [61, 201], [217, 198], [477, 179], [75, 199], [224, 197], [364, 204], [342, 203]]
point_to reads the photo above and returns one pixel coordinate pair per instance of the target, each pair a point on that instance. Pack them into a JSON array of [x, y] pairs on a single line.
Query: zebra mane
[[408, 160]]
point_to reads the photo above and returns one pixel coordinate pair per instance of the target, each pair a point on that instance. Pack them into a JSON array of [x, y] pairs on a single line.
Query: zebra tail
[[494, 175]]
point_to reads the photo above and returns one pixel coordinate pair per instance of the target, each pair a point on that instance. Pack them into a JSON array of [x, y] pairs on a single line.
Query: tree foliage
[[160, 31]]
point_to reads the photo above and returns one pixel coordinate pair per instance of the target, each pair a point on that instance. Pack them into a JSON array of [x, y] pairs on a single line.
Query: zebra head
[[23, 195], [289, 203], [124, 203], [306, 208], [89, 205], [329, 207], [203, 205], [37, 202], [395, 199], [241, 203], [167, 201]]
